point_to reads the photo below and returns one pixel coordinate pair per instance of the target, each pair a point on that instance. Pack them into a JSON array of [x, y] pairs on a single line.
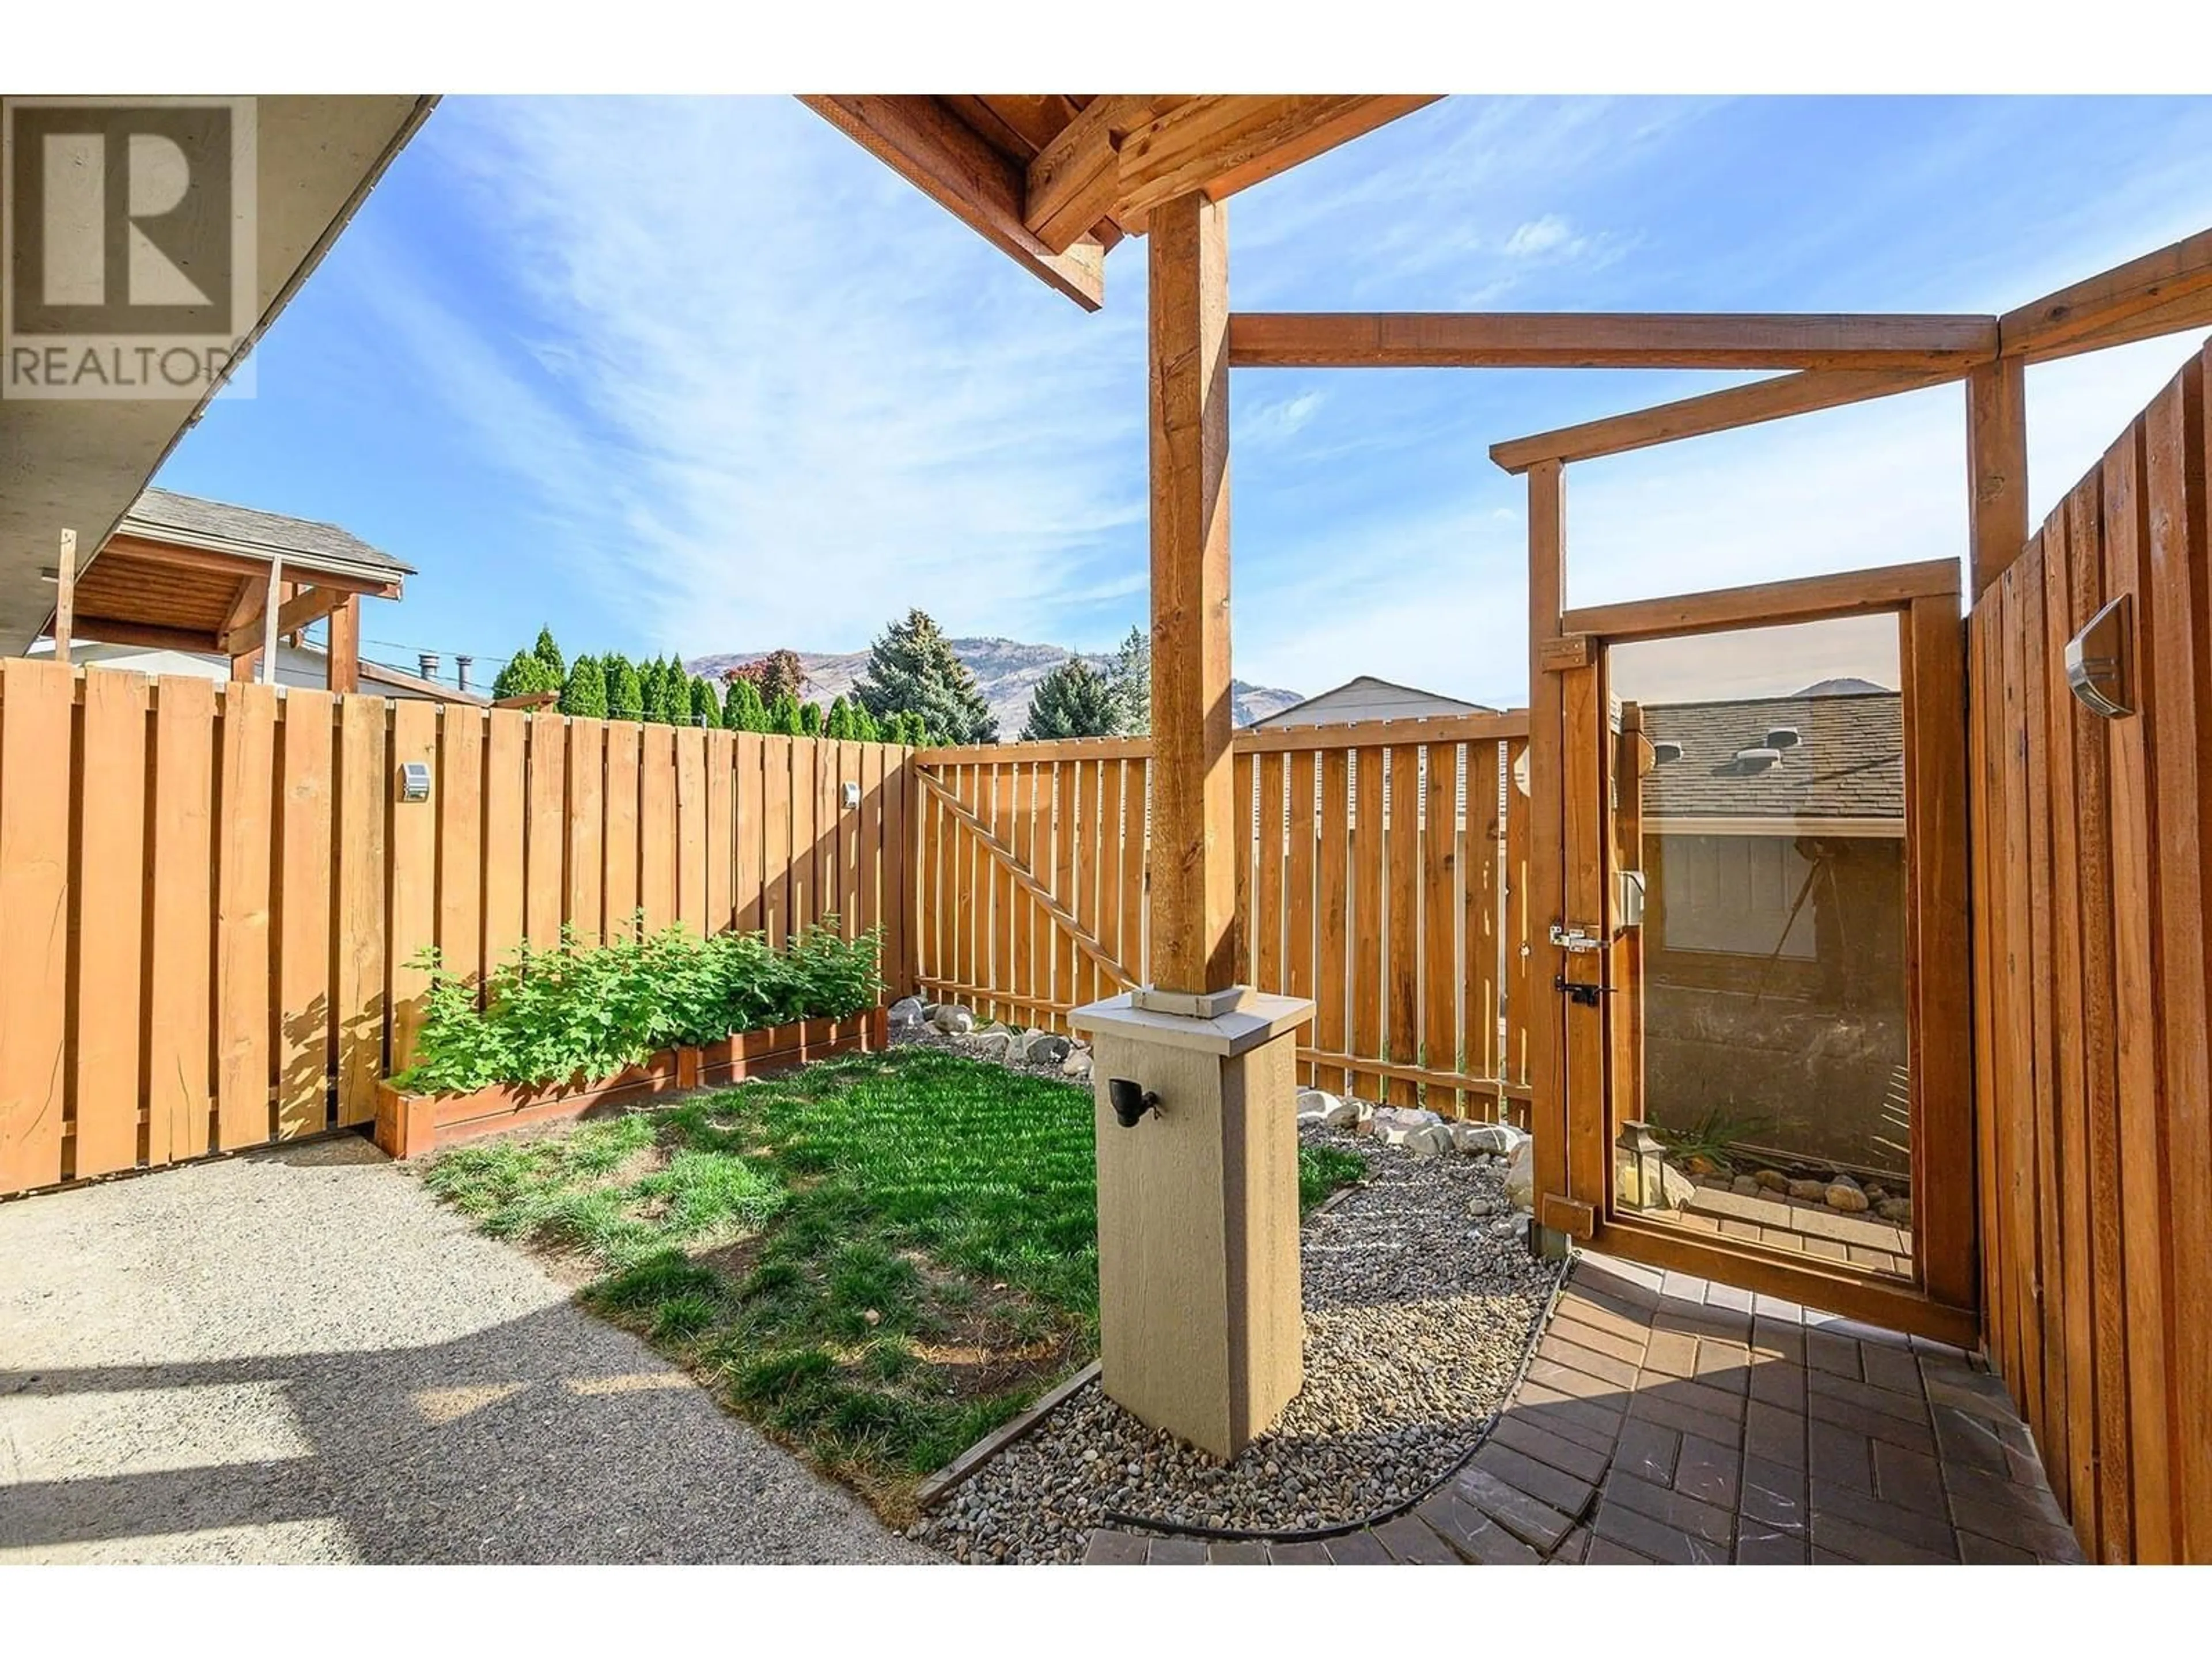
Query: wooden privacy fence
[[2093, 1111], [1393, 919], [210, 894]]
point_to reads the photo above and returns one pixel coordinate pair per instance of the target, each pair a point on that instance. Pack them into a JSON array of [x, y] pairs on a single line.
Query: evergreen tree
[[864, 723], [744, 711], [556, 671], [810, 720], [912, 667], [705, 706], [524, 674], [1130, 679], [586, 693], [1074, 701], [783, 715], [625, 691], [838, 723]]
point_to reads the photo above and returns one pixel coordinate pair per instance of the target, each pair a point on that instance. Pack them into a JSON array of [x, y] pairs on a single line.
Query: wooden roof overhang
[[169, 596], [1054, 180]]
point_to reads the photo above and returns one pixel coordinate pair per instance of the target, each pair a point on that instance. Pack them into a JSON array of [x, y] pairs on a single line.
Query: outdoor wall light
[[414, 780], [852, 795], [1131, 1100], [2100, 661]]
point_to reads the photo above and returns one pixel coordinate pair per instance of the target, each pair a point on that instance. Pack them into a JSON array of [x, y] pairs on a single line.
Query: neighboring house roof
[[305, 544], [302, 666], [1368, 698], [1847, 768]]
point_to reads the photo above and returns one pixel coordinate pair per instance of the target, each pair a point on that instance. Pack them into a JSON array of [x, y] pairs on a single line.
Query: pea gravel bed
[[1420, 1301]]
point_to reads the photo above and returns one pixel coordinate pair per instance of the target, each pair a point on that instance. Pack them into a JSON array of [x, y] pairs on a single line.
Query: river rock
[[1809, 1192], [1772, 1181], [1899, 1210], [955, 1020], [1845, 1194], [1046, 1047], [906, 1014], [1746, 1187]]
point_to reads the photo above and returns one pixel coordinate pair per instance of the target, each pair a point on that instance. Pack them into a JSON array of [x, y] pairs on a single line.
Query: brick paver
[[1665, 1419]]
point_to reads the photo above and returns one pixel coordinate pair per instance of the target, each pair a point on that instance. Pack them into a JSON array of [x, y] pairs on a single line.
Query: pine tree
[[783, 715], [838, 723], [705, 706], [864, 723], [1074, 701], [524, 674], [625, 691], [1130, 678], [810, 720], [556, 671], [744, 711], [912, 667], [586, 693]]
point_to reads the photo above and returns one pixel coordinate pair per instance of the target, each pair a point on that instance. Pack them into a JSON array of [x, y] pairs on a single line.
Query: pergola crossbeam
[[1801, 393], [1500, 339], [2161, 293]]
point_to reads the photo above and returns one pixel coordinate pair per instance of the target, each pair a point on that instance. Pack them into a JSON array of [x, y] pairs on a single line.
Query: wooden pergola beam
[[1734, 406], [946, 158], [1501, 340], [116, 630], [309, 604], [1220, 145], [2161, 293], [1075, 180]]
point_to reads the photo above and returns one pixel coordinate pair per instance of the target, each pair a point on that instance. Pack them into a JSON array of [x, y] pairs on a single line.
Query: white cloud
[[1273, 421], [762, 391], [1549, 234]]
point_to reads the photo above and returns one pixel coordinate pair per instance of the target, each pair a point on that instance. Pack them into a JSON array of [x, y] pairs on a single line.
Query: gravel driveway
[[299, 1355]]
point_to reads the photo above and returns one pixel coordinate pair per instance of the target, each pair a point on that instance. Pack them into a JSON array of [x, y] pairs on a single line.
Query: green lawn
[[877, 1259]]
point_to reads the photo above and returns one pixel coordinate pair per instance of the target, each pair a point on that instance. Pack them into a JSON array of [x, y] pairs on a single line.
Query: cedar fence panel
[[213, 898], [2092, 1084], [1030, 873]]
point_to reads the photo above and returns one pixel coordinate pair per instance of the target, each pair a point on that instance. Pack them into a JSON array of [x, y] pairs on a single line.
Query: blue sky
[[702, 376]]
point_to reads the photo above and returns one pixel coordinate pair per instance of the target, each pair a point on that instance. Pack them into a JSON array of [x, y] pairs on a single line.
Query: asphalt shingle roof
[[303, 538], [1849, 762]]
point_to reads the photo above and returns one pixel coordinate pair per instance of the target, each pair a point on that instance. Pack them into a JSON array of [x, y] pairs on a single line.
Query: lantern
[[1640, 1167]]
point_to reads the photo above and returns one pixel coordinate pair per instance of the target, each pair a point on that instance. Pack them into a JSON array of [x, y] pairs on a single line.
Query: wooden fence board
[[507, 743], [545, 819], [1365, 1021], [721, 846], [1401, 917], [307, 1022], [36, 702], [244, 957], [1333, 1014], [180, 886], [747, 807], [691, 829], [458, 793], [805, 889], [1135, 871], [656, 826], [619, 797], [109, 884], [411, 896], [583, 906], [1267, 891], [362, 789], [1440, 922]]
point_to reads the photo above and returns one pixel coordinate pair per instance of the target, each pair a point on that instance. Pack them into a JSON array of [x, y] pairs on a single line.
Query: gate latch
[[1576, 939], [1582, 995]]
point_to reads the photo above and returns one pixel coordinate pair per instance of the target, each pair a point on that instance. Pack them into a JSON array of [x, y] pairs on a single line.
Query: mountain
[[1007, 670]]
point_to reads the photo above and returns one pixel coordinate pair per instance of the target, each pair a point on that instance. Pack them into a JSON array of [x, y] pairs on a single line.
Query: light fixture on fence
[[1640, 1167], [852, 795], [1131, 1101], [414, 780], [2100, 660]]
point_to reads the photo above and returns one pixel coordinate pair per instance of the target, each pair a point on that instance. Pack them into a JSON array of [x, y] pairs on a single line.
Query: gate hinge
[[1577, 938]]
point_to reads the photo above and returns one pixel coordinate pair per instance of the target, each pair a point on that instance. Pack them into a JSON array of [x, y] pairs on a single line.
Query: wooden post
[[270, 608], [1548, 1115], [343, 661], [1996, 461], [66, 601], [1193, 839]]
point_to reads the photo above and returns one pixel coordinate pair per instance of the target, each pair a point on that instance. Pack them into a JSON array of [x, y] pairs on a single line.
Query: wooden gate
[[1400, 925]]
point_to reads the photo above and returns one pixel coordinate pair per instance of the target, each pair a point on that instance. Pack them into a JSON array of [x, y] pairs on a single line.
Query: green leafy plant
[[589, 1011], [1713, 1137]]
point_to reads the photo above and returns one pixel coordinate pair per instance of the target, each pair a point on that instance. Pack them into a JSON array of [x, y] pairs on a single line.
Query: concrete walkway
[[300, 1356]]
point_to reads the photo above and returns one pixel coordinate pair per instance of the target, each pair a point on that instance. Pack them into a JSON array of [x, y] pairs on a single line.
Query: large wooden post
[[343, 661], [1996, 462], [1193, 865], [1200, 1327]]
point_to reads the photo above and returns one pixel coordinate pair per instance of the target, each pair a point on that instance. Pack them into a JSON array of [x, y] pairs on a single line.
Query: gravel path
[[301, 1356], [1418, 1311]]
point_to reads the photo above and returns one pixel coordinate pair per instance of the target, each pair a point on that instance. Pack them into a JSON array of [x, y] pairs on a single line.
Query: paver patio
[[1669, 1419]]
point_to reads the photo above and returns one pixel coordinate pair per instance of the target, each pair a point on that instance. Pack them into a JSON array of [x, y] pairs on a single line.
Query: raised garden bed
[[410, 1125]]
